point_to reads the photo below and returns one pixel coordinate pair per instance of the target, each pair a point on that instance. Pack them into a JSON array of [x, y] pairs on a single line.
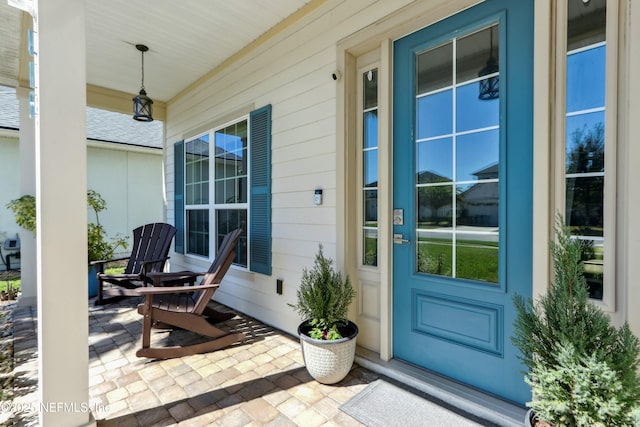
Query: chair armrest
[[159, 277], [173, 289], [108, 260], [145, 266]]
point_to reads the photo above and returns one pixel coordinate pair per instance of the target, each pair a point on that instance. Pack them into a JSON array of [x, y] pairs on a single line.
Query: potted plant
[[582, 370], [327, 337], [98, 248]]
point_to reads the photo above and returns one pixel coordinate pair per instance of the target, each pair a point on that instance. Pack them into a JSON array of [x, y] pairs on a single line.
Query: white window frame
[[608, 302], [370, 66], [212, 206]]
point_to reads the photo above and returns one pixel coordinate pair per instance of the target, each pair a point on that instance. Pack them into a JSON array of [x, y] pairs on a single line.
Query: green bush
[[99, 248], [324, 298], [564, 335]]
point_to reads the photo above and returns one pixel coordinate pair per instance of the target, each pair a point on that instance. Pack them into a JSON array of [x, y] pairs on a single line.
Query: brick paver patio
[[260, 381]]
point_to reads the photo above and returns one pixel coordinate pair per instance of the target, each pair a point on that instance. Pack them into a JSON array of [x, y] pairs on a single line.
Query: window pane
[[434, 69], [197, 171], [592, 258], [435, 206], [370, 83], [585, 205], [478, 207], [435, 161], [478, 156], [587, 23], [198, 232], [586, 79], [370, 129], [370, 208], [434, 115], [228, 220], [435, 253], [585, 143], [472, 112], [476, 259], [477, 55], [231, 164], [370, 168], [370, 247]]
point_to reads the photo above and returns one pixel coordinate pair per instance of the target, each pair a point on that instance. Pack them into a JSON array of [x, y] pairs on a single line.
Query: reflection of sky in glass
[[371, 168], [371, 129], [585, 122], [435, 156], [473, 113], [476, 152], [199, 146], [586, 79], [434, 116], [228, 142]]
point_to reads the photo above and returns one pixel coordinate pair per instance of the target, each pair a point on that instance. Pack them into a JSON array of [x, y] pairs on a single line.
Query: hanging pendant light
[[489, 87], [142, 104]]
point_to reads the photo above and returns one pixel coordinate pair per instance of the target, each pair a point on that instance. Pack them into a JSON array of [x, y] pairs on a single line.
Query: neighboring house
[[399, 106], [124, 164]]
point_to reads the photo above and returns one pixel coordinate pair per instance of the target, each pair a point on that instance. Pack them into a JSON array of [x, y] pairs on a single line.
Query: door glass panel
[[435, 253], [477, 156], [435, 160], [457, 158], [434, 116], [473, 112], [434, 69]]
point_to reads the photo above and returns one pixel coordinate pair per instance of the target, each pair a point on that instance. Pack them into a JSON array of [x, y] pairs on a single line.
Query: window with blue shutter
[[222, 182]]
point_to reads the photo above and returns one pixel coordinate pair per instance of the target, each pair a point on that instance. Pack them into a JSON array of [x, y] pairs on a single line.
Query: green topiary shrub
[[324, 298], [582, 369]]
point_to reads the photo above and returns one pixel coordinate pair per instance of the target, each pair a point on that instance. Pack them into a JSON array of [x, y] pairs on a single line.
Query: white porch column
[[632, 197], [27, 186], [61, 177]]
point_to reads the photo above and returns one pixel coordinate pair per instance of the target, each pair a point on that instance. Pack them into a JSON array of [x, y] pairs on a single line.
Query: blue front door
[[463, 167]]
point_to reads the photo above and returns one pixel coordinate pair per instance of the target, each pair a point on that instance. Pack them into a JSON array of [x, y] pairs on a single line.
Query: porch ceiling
[[186, 40]]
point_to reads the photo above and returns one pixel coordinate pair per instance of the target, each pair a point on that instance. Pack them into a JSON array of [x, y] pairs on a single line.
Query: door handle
[[398, 239]]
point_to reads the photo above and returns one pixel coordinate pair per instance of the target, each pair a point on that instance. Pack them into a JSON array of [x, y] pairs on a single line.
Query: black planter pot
[[328, 362]]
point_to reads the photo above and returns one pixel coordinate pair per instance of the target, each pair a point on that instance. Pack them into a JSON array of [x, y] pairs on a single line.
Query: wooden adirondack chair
[[167, 305], [151, 244]]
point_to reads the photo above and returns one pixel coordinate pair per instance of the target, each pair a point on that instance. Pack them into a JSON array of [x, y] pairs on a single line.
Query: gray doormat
[[382, 404]]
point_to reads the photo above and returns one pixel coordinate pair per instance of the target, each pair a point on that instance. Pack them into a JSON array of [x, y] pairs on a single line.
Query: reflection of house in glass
[[478, 203], [371, 204], [434, 201]]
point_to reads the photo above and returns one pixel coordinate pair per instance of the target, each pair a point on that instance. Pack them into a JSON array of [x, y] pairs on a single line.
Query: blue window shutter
[[178, 195], [260, 201]]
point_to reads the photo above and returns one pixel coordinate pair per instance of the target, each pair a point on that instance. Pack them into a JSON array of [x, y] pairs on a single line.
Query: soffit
[[186, 40]]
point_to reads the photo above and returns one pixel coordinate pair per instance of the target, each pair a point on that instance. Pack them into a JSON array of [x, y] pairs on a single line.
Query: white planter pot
[[328, 362]]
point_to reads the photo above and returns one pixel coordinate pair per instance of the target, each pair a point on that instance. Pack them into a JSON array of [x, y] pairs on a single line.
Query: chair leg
[[205, 347]]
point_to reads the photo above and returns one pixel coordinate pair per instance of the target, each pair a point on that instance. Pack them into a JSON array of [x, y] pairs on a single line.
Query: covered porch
[[259, 381]]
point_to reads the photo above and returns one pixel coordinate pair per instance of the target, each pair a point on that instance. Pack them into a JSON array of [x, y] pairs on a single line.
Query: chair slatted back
[[150, 242], [224, 258]]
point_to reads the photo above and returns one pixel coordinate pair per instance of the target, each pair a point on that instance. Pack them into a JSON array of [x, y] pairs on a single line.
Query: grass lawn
[[474, 259]]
